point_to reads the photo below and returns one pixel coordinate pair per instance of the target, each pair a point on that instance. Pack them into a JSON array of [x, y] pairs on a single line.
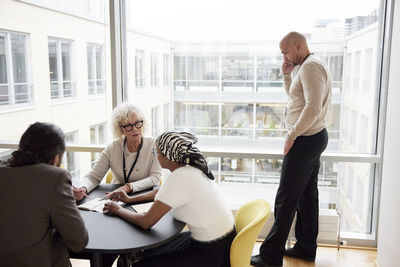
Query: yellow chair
[[250, 218], [109, 177]]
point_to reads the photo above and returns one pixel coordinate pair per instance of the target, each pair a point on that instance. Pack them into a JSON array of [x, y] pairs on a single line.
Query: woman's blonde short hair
[[122, 114]]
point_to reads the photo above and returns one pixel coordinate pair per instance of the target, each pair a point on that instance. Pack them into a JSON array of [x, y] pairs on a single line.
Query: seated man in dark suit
[[39, 221]]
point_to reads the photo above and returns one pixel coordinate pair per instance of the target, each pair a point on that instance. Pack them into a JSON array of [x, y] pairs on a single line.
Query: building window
[[367, 71], [96, 76], [166, 70], [72, 162], [270, 120], [348, 72], [15, 88], [345, 124], [356, 74], [97, 136], [62, 85], [268, 72], [237, 120], [359, 199], [139, 69], [167, 117], [154, 121], [155, 79], [197, 118], [238, 72], [363, 130], [349, 187], [354, 126]]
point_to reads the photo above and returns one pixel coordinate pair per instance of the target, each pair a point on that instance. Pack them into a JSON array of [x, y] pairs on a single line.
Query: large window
[[197, 118], [139, 69], [167, 117], [15, 88], [97, 136], [96, 75], [225, 83], [166, 70], [62, 85], [368, 59], [155, 76], [155, 121], [72, 159]]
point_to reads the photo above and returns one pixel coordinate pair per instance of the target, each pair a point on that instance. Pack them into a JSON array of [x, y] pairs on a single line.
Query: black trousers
[[184, 251], [297, 192]]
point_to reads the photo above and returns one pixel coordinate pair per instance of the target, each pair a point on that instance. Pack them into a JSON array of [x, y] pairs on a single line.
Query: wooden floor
[[326, 257], [331, 257]]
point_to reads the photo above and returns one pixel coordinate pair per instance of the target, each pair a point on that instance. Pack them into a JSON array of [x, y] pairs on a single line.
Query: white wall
[[389, 217]]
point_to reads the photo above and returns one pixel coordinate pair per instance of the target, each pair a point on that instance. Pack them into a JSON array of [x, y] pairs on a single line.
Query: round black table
[[111, 234]]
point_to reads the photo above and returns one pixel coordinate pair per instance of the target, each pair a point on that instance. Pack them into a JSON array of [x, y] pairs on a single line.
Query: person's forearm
[[287, 81], [145, 197], [134, 218]]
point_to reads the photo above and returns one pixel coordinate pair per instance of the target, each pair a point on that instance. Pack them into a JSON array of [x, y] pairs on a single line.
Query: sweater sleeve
[[93, 178], [65, 216], [287, 81], [313, 79]]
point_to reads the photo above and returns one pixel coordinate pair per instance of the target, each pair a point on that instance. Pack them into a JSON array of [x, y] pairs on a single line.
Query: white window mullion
[[10, 75], [254, 99], [60, 71], [102, 78], [93, 63]]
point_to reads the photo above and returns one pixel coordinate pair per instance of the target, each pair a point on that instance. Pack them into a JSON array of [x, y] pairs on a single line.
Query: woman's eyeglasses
[[129, 127]]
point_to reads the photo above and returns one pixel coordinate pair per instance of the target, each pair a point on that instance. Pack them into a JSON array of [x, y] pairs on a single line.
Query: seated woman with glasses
[[129, 157], [190, 192]]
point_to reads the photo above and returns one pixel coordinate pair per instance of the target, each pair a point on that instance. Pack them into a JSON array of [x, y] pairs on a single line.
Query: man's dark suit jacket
[[39, 220]]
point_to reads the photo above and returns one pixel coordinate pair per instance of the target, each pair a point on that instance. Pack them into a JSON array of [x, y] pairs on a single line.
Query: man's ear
[[298, 45]]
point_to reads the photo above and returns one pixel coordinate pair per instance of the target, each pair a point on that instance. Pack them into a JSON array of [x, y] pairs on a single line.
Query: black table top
[[112, 234]]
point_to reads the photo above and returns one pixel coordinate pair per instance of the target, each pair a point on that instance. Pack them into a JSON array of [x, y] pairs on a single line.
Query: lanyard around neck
[[133, 164]]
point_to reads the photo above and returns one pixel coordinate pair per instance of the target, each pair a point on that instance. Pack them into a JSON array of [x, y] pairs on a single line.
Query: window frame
[[97, 91], [11, 85], [60, 71]]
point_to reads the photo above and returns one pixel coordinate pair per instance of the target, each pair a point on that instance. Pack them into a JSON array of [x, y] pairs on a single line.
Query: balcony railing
[[15, 95], [231, 152]]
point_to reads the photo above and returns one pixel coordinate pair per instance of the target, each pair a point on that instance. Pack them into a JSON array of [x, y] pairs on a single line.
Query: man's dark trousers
[[298, 191]]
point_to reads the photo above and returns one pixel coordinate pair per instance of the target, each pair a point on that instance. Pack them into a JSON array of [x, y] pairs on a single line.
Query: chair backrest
[[250, 218], [109, 177]]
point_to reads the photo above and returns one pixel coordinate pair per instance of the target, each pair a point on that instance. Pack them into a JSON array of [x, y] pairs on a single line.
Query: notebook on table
[[96, 204]]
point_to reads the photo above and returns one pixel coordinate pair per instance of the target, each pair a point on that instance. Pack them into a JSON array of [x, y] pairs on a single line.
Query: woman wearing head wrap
[[194, 199]]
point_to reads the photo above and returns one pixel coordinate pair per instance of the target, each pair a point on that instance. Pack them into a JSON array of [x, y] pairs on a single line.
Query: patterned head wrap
[[179, 147]]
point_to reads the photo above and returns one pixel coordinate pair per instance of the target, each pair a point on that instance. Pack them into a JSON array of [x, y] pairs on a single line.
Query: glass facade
[[227, 92]]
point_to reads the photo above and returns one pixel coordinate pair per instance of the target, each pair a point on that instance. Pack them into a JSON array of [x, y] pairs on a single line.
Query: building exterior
[[55, 66], [358, 133]]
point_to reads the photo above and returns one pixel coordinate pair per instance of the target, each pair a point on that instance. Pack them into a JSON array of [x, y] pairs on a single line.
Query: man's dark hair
[[40, 143]]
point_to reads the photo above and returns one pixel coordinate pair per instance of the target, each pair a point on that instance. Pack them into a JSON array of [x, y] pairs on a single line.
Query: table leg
[[124, 260], [96, 260]]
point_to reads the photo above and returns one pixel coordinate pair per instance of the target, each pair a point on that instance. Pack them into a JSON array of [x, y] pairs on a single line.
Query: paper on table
[[96, 204], [143, 207]]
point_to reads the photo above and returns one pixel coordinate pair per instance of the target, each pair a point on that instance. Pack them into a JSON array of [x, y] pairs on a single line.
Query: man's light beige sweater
[[309, 89]]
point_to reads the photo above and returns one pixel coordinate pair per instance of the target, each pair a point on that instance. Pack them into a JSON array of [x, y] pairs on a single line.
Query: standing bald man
[[307, 82]]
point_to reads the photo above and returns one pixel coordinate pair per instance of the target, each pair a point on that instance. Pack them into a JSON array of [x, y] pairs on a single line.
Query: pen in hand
[[105, 197], [82, 191]]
